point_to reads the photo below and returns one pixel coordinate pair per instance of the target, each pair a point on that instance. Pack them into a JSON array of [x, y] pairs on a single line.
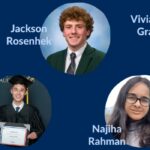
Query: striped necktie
[[72, 66]]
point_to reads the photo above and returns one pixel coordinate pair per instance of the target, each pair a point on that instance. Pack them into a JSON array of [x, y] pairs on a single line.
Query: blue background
[[78, 102]]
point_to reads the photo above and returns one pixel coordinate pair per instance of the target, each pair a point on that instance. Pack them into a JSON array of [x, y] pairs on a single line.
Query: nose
[[137, 104], [73, 30], [18, 92]]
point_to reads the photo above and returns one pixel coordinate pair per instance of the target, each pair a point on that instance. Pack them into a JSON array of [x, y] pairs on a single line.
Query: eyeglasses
[[132, 98]]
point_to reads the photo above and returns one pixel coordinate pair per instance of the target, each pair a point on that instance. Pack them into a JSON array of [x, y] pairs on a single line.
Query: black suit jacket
[[89, 60]]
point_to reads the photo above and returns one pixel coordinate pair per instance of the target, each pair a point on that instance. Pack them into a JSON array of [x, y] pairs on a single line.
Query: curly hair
[[76, 13]]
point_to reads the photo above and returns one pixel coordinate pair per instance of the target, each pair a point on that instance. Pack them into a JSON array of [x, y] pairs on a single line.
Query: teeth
[[73, 37], [17, 96]]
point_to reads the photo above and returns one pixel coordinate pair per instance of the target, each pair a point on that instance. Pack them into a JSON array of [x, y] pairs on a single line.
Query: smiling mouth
[[135, 111], [73, 38], [18, 97]]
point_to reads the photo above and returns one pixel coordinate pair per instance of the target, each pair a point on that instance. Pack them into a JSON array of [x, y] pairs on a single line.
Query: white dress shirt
[[20, 106], [78, 53]]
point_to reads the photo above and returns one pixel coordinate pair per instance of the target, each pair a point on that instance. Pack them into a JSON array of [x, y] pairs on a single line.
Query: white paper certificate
[[12, 135]]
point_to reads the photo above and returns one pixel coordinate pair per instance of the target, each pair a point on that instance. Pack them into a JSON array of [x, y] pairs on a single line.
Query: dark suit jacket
[[89, 60]]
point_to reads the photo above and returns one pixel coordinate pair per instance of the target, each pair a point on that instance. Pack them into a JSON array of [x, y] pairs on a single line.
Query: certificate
[[12, 135]]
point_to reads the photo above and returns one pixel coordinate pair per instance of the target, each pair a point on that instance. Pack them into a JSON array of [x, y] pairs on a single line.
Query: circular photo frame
[[128, 108], [99, 37], [25, 110]]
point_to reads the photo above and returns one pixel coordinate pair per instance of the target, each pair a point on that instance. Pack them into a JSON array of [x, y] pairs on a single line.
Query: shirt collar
[[14, 105], [78, 52]]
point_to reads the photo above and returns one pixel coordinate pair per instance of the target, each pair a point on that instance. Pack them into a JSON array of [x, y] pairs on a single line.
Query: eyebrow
[[133, 94]]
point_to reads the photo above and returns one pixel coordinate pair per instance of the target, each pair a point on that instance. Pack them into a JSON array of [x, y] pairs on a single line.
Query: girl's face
[[137, 101]]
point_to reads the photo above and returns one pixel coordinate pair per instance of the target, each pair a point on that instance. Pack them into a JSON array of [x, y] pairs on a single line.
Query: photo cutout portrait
[[25, 110], [128, 108], [80, 38]]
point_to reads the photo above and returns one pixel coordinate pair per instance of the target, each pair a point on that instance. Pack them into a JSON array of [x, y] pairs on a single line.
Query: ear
[[88, 32], [63, 34]]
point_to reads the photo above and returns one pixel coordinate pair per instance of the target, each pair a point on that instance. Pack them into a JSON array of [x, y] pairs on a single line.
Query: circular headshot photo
[[80, 37], [25, 110], [128, 108]]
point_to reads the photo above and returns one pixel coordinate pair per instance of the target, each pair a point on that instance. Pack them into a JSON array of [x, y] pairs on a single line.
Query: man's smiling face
[[75, 33]]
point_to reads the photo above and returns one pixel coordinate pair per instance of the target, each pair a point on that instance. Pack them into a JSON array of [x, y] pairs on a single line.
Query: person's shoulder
[[5, 107], [95, 52], [99, 53], [31, 108], [56, 55]]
